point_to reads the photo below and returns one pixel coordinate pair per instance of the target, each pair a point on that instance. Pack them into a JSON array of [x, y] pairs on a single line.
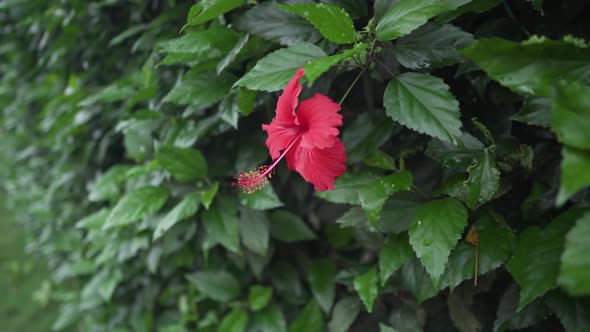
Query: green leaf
[[184, 164], [215, 40], [288, 227], [107, 186], [270, 319], [229, 110], [436, 228], [373, 196], [535, 261], [532, 66], [380, 7], [332, 22], [382, 160], [346, 188], [456, 187], [221, 222], [315, 68], [220, 285], [235, 321], [134, 30], [269, 22], [310, 319], [408, 15], [321, 279], [574, 274], [263, 199], [94, 221], [483, 181], [208, 320], [200, 89], [366, 287], [536, 111], [143, 94], [356, 218], [186, 208], [509, 318], [570, 118], [142, 170], [365, 135], [432, 45], [398, 212], [246, 99], [259, 297], [339, 237], [573, 312], [140, 203], [138, 138], [112, 93], [69, 313], [478, 6], [254, 231], [344, 314], [425, 104], [415, 279], [495, 246], [367, 190], [275, 70], [233, 54], [209, 194], [395, 252], [460, 156], [207, 10], [103, 284], [574, 173], [199, 61]]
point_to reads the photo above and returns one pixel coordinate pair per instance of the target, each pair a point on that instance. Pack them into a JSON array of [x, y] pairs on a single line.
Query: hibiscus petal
[[282, 128], [285, 112], [279, 138], [320, 115], [321, 166]]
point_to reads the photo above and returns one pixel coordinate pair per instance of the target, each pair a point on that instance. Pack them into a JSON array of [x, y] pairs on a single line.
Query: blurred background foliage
[[466, 128]]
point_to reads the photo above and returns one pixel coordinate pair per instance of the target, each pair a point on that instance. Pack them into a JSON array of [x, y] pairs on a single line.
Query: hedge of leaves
[[463, 206]]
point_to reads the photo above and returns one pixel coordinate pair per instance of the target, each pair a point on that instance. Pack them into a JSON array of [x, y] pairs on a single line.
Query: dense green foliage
[[24, 305], [467, 132]]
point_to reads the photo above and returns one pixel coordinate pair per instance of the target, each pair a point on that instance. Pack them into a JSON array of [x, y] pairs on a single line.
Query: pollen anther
[[253, 180]]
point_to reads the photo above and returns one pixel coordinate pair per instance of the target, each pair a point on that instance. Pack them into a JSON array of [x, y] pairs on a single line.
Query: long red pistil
[[256, 179]]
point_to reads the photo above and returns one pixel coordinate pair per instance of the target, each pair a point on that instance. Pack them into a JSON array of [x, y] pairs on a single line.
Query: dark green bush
[[467, 133]]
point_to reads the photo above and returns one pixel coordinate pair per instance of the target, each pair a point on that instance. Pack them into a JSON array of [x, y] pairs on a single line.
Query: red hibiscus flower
[[308, 138]]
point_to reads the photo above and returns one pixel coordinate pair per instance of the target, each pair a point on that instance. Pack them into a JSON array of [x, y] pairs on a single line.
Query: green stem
[[367, 64], [402, 163], [511, 15], [384, 66], [352, 85]]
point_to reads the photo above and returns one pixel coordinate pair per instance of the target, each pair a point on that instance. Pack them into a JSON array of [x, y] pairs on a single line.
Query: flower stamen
[[256, 179], [253, 180]]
